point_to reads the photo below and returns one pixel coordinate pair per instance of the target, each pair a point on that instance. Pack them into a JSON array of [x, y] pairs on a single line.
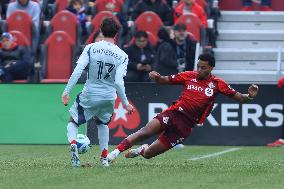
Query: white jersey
[[107, 65]]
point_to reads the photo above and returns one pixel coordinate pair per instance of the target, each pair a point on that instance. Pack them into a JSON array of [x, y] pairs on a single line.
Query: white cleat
[[74, 156], [104, 162], [132, 153], [113, 155]]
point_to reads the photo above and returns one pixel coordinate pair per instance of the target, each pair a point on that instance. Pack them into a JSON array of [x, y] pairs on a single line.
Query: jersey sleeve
[[226, 89], [82, 62], [179, 78], [119, 82]]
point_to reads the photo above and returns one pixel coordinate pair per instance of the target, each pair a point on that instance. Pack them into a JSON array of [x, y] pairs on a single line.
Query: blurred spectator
[[141, 58], [76, 7], [185, 48], [190, 6], [166, 58], [33, 9], [157, 6], [3, 8], [279, 142], [114, 5], [15, 61], [265, 5]]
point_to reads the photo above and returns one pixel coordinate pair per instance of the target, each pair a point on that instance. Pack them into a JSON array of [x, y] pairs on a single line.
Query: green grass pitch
[[45, 167]]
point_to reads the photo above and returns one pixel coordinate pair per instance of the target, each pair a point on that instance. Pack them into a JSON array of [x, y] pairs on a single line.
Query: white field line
[[214, 154]]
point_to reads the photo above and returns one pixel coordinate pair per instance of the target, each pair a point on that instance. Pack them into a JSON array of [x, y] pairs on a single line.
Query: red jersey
[[198, 96]]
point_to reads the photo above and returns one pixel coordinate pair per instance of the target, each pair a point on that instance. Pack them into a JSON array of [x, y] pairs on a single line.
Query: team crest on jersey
[[166, 120], [208, 92], [211, 85]]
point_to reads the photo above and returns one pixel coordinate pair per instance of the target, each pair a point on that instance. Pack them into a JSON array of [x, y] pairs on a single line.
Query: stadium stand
[[21, 21], [249, 46], [57, 57], [66, 21], [148, 21], [193, 25]]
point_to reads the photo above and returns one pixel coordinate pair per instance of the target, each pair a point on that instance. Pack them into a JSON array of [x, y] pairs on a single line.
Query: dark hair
[[141, 33], [109, 27], [208, 57], [179, 27]]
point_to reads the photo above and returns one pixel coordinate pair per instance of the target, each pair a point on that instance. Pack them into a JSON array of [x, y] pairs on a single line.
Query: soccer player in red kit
[[200, 88]]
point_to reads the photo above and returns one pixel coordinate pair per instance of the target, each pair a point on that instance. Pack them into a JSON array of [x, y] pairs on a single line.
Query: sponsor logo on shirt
[[211, 85], [207, 91]]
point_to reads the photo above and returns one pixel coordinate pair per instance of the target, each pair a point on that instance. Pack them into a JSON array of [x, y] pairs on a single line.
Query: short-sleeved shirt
[[198, 96]]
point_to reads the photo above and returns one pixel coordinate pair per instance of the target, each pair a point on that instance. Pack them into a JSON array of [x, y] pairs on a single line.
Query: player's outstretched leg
[[156, 148], [152, 128]]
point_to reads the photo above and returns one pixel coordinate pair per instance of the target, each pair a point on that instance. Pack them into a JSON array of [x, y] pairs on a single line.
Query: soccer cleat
[[277, 143], [113, 155], [74, 156], [104, 162], [132, 153]]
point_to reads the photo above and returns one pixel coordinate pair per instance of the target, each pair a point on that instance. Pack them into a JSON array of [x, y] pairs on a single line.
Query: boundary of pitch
[[214, 154]]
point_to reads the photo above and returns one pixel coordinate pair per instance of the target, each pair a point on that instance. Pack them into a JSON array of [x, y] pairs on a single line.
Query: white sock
[[103, 136], [72, 131]]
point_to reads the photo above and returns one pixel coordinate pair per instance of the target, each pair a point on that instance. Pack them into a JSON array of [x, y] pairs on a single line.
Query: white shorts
[[86, 108]]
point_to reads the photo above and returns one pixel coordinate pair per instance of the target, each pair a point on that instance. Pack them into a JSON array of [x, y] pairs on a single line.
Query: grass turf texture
[[42, 166]]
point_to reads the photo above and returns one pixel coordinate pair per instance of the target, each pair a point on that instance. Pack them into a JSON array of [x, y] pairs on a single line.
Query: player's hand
[[280, 82], [65, 99], [129, 108], [252, 90], [154, 75]]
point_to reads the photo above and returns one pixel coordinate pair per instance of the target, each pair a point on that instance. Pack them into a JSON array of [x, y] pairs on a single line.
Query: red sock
[[124, 145], [73, 142], [104, 153]]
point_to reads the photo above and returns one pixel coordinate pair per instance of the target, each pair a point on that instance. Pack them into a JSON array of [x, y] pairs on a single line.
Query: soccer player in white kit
[[107, 65]]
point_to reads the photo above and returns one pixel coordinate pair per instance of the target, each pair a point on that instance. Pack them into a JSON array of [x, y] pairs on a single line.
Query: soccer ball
[[83, 143]]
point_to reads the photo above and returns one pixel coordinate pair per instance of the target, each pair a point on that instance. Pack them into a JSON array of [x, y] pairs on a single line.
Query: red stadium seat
[[193, 24], [21, 21], [148, 21], [58, 57], [20, 38], [97, 20], [68, 22]]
